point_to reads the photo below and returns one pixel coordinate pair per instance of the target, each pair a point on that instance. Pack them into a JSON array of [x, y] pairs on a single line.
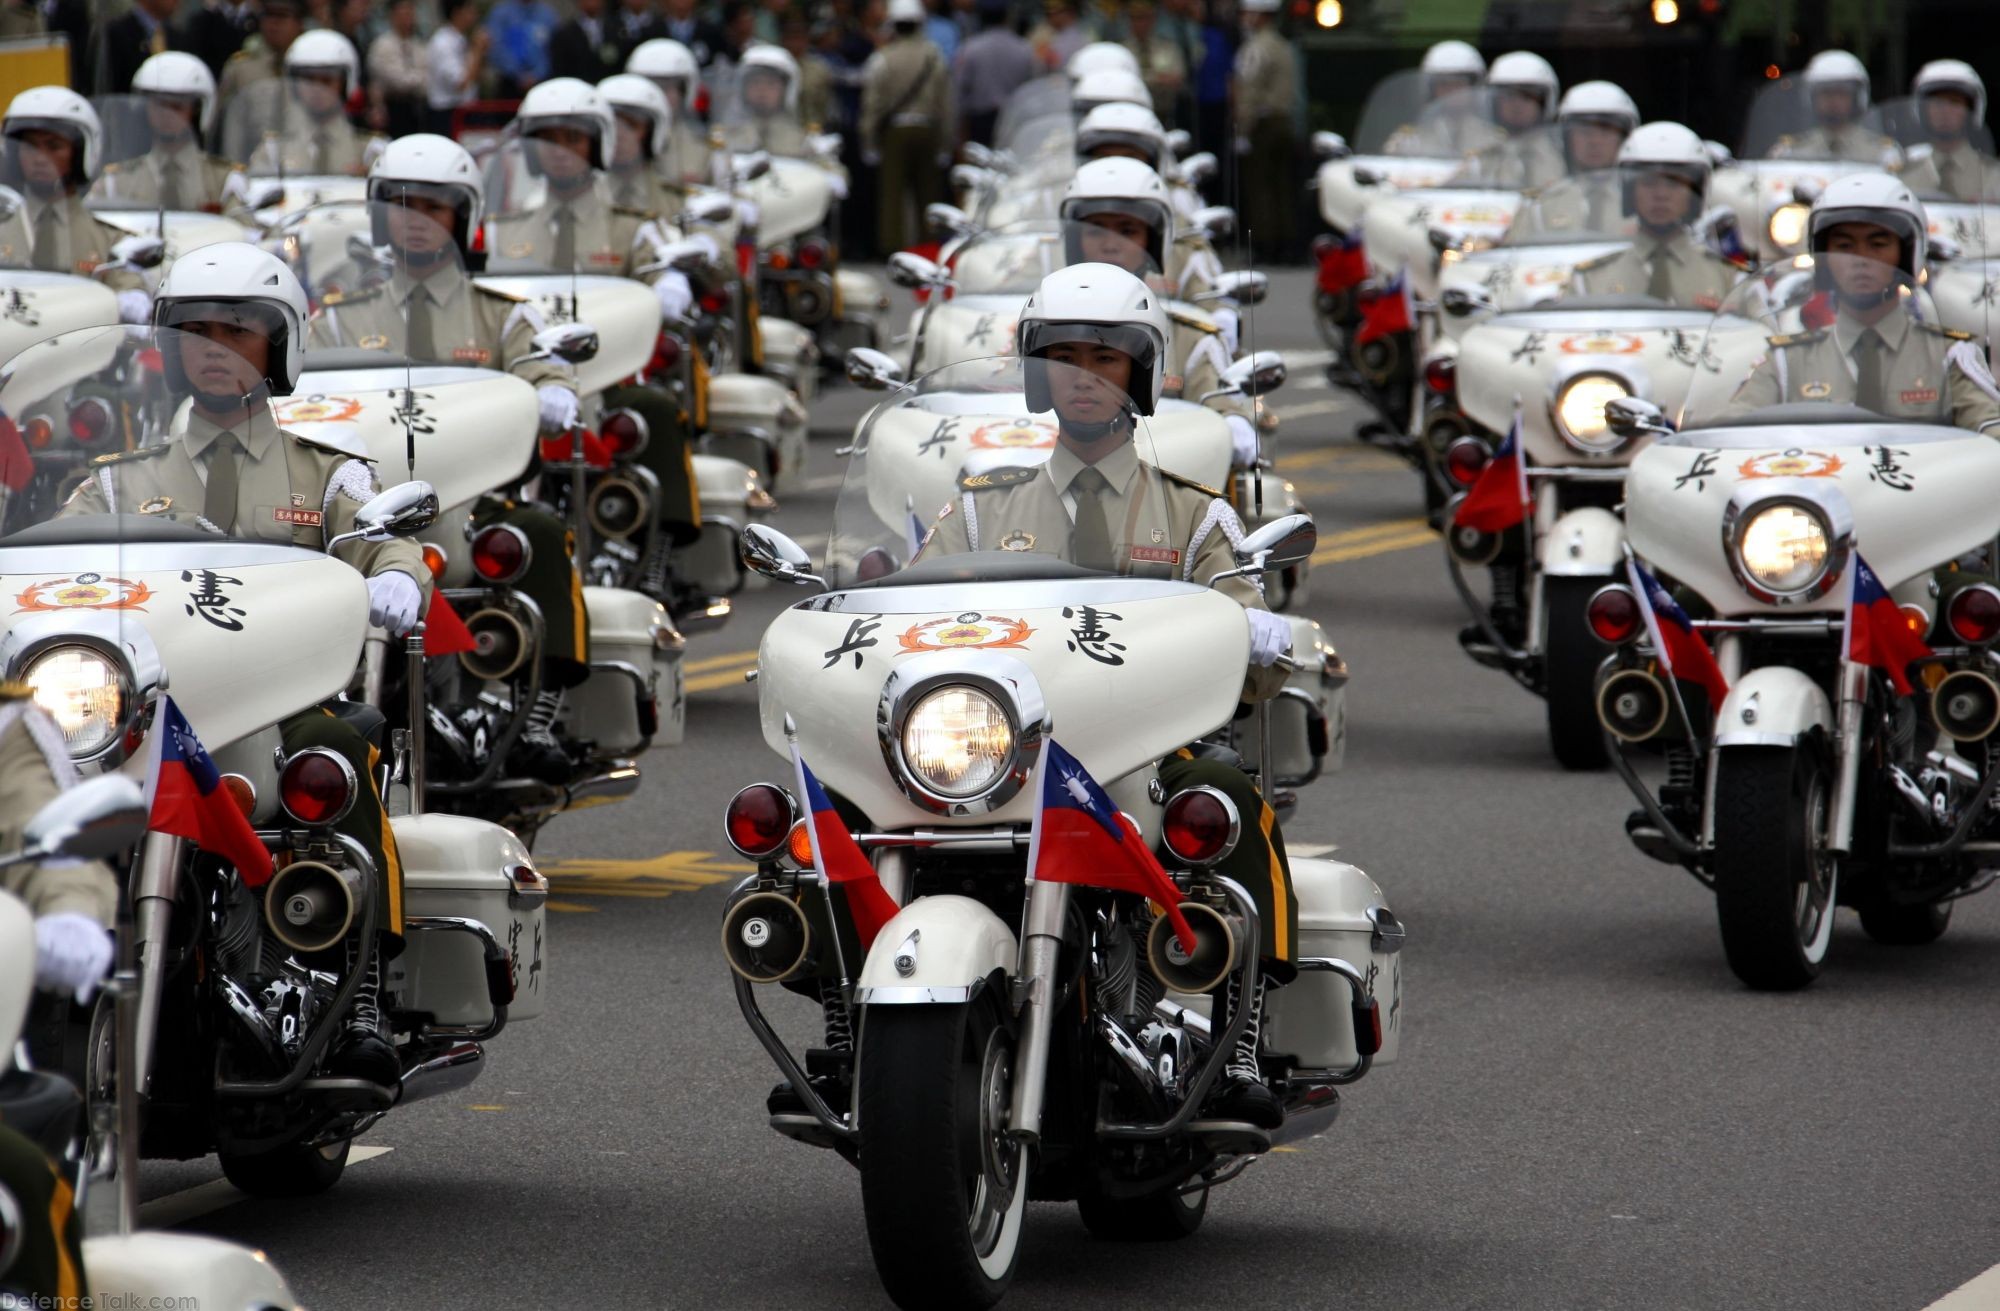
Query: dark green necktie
[[170, 185], [46, 240], [1947, 172], [1090, 540], [423, 337], [219, 505], [1661, 285], [1868, 372], [565, 260]]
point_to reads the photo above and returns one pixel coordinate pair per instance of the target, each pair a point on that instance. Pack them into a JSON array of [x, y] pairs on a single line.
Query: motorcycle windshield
[[1003, 469], [537, 187], [756, 109], [1012, 260], [292, 127], [144, 138], [1786, 121], [1409, 113], [1595, 205], [1044, 99], [1844, 339], [1933, 121], [386, 274]]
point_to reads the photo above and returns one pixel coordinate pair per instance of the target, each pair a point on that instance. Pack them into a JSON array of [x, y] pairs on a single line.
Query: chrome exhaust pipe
[[1308, 1117], [618, 780], [455, 1069]]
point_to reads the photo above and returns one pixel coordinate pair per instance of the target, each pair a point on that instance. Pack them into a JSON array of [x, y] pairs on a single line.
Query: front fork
[[1847, 756], [1034, 986]]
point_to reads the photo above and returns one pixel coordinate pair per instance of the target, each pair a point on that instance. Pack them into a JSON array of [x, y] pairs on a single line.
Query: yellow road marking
[[713, 682], [1360, 459], [485, 1108], [652, 878], [1376, 546], [571, 906], [1385, 528], [735, 659]]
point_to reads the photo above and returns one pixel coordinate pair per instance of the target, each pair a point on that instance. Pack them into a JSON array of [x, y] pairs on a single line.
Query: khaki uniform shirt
[[816, 108], [1443, 136], [781, 134], [645, 189], [1697, 277], [471, 324], [289, 489], [1924, 373], [1192, 265], [689, 156], [1960, 172], [607, 234], [905, 84], [35, 769], [1524, 162], [253, 63], [329, 145], [204, 179], [83, 241], [1195, 359], [18, 19], [1855, 144], [1591, 203], [1266, 82]]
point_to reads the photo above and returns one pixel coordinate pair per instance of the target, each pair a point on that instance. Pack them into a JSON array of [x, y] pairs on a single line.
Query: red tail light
[[500, 553], [1974, 614], [759, 820], [1465, 459], [624, 432], [316, 787], [666, 354], [1200, 826], [778, 260], [1441, 375], [712, 302], [39, 432], [1613, 615], [90, 419], [812, 254]]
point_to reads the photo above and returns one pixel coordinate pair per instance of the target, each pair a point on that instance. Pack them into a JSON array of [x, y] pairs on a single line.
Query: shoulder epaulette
[[15, 691], [1798, 338], [1952, 334], [1192, 318], [230, 164], [342, 452], [632, 211], [498, 293], [111, 169], [1186, 481], [980, 482], [1591, 265], [340, 297], [119, 457]]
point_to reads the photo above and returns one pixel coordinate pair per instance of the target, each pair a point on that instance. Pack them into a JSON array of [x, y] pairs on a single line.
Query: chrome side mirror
[[685, 255], [264, 195], [94, 820], [1719, 155], [979, 155], [140, 251], [572, 343], [908, 269], [1245, 287], [871, 370], [1330, 145], [1218, 221], [1180, 141], [750, 167], [1945, 249], [971, 177], [1462, 301], [397, 511], [1279, 544], [1367, 177], [826, 144], [1199, 168], [1806, 191], [1255, 375], [1441, 241], [709, 207], [769, 552], [1630, 417], [948, 219]]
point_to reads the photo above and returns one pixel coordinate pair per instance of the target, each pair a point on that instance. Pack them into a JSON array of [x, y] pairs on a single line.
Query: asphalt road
[[1589, 1111]]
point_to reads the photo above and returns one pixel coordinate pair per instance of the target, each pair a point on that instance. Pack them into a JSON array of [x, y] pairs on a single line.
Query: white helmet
[[1098, 56], [1453, 59], [235, 273], [567, 102], [1942, 75], [323, 51], [1872, 198], [1666, 148], [1108, 86], [663, 61], [55, 109], [907, 11], [1526, 72], [1835, 68], [775, 61], [1096, 303], [641, 96], [178, 74], [1120, 186], [426, 164], [1123, 124], [1599, 101]]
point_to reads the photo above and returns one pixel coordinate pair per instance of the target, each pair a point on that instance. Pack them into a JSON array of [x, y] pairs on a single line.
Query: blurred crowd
[[435, 65]]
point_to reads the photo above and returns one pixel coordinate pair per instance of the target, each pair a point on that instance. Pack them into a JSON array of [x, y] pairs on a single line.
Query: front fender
[[1586, 542], [1772, 707], [952, 945]]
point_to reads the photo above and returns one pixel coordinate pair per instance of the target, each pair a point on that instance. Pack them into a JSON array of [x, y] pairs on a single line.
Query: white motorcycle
[[1053, 1026]]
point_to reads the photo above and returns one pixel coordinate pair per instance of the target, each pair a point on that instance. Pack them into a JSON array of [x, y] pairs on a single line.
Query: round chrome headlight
[[1579, 411], [83, 690], [958, 741], [1787, 226], [1785, 548]]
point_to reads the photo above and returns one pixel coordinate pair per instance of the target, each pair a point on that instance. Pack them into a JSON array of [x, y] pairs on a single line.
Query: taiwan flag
[[16, 465], [1877, 635], [187, 800], [445, 633], [837, 856], [1387, 312], [1080, 837], [1499, 496], [1683, 653], [1343, 265]]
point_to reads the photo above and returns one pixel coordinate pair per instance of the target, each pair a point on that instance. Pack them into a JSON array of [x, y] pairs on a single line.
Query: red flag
[[189, 801], [1877, 635], [444, 632], [1386, 312], [555, 449], [1343, 264], [1080, 837], [837, 856], [1499, 498], [1683, 653], [16, 465]]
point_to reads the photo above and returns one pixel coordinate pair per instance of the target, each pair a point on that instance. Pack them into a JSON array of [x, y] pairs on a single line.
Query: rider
[[1663, 171], [767, 109], [238, 317], [1452, 122], [671, 66], [1094, 503], [53, 140], [1951, 104], [1524, 90], [313, 135], [1837, 85], [179, 95], [1593, 122], [1868, 235], [645, 135], [426, 200]]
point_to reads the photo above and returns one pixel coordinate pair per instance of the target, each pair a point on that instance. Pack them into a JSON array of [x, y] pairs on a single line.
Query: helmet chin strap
[[1089, 434], [1847, 300]]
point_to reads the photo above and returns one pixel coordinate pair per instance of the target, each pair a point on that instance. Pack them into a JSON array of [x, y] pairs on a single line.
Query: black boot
[[1241, 1094], [536, 752], [360, 1051]]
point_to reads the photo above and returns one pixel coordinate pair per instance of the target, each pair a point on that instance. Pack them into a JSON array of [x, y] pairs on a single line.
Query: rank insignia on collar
[[156, 505], [1018, 541], [1816, 391], [374, 341]]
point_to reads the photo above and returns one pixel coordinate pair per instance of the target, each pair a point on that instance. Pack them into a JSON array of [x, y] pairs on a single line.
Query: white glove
[[72, 952], [557, 404], [1242, 441], [1270, 637], [135, 307], [676, 296], [394, 601]]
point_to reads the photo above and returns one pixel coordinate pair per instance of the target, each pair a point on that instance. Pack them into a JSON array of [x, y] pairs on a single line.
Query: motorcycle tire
[[1776, 886], [1906, 926], [290, 1171], [942, 1189], [1572, 656], [1161, 1218]]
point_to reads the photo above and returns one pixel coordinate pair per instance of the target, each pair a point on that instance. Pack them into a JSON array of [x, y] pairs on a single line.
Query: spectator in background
[[941, 26], [455, 58], [906, 125], [1180, 27], [635, 24], [21, 18], [816, 108], [258, 60], [990, 66], [398, 74], [697, 33], [125, 43], [770, 21], [72, 19], [1211, 87], [1059, 34], [1160, 63], [357, 21], [583, 47], [739, 29], [217, 31], [1266, 99], [519, 53]]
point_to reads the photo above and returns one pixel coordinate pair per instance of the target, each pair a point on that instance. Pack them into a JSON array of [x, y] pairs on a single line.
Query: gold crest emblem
[[156, 505], [1018, 541], [521, 249], [374, 341], [1816, 391]]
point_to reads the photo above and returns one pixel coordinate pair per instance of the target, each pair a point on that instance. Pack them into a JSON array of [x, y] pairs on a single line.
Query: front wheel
[[1572, 655], [293, 1170], [943, 1183], [1775, 881], [1161, 1218]]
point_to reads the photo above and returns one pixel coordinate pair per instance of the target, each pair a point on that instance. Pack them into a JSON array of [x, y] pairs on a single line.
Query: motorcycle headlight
[[1579, 411], [958, 741], [83, 690], [1787, 226], [1785, 548]]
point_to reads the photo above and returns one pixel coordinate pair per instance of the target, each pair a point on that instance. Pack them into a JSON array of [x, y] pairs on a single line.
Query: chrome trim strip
[[915, 996], [1751, 737], [1026, 593]]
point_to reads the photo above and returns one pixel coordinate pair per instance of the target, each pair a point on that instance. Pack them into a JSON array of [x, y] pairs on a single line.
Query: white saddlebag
[[1311, 1018], [635, 675], [454, 866]]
